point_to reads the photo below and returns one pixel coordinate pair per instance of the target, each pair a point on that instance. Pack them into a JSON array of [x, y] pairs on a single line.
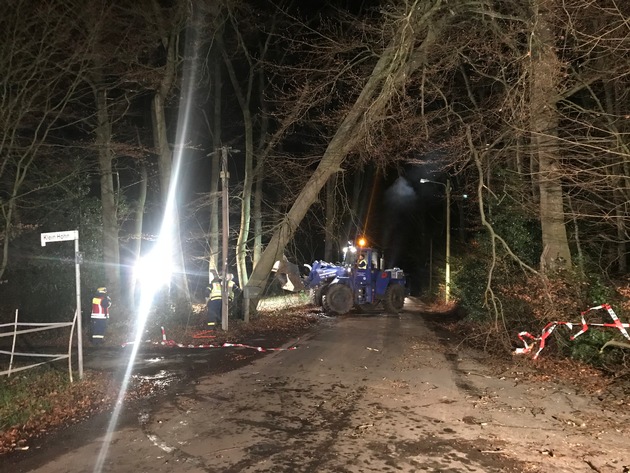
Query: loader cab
[[351, 256], [363, 278]]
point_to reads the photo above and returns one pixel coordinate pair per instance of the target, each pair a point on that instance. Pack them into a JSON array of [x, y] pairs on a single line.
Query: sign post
[[68, 236], [225, 176]]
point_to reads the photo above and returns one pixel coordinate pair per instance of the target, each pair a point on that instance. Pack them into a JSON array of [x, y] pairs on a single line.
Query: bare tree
[[169, 23], [115, 79], [244, 92], [40, 67]]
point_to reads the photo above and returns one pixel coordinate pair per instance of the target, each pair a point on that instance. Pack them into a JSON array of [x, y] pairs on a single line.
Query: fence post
[[15, 324]]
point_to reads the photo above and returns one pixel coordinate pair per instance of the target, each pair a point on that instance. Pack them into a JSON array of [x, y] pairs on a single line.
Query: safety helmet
[[102, 290]]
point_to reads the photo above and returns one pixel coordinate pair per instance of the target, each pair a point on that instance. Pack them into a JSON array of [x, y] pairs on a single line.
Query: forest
[[523, 107]]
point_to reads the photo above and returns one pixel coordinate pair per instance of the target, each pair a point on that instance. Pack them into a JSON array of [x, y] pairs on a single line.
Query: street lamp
[[447, 278]]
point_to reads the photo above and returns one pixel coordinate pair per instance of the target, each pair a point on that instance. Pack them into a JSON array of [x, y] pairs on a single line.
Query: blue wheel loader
[[359, 281]]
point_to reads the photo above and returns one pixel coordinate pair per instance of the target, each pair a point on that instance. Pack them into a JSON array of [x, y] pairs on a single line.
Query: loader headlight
[[349, 249]]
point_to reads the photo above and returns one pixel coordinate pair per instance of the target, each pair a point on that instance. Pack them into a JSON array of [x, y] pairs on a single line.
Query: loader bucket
[[289, 274]]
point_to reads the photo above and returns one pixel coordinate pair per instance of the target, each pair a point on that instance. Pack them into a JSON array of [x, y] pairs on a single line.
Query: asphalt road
[[368, 393]]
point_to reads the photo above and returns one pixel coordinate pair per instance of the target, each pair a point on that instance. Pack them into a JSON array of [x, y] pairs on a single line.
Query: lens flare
[[155, 270]]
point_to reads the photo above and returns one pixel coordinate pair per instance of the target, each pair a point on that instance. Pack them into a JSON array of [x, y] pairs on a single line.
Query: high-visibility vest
[[98, 311], [215, 291], [362, 264], [230, 289]]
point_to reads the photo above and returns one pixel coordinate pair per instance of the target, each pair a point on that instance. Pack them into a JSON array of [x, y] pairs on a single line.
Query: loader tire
[[394, 298], [338, 299], [316, 296]]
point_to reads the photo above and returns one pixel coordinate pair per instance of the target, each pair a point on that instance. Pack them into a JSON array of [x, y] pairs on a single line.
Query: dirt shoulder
[[562, 415]]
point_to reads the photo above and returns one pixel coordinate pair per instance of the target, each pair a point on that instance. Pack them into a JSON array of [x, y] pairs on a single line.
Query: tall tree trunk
[[162, 146], [259, 173], [546, 72], [165, 156], [136, 242], [349, 232], [244, 99], [620, 178], [111, 250], [217, 81], [257, 212], [329, 230], [246, 199], [7, 209], [622, 253]]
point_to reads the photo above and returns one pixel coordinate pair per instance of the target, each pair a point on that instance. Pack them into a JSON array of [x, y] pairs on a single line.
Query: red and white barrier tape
[[173, 344], [551, 326]]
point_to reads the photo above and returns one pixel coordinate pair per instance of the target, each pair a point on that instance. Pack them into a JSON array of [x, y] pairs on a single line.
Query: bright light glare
[[362, 242], [153, 272], [155, 269]]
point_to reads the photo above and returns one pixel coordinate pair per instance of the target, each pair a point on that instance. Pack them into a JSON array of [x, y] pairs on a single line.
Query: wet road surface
[[370, 393]]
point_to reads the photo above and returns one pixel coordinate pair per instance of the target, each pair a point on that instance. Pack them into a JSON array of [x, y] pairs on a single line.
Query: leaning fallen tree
[[405, 53]]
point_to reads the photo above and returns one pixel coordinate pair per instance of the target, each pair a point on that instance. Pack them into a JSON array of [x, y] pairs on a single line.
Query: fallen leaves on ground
[[50, 402], [62, 403], [548, 368]]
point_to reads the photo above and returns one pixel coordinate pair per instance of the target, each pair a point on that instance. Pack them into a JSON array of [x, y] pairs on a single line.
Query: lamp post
[[447, 276]]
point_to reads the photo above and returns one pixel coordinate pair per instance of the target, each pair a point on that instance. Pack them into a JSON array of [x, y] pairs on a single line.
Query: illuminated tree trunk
[[329, 230], [246, 200], [136, 242], [217, 82], [546, 72], [259, 174], [111, 248], [165, 157], [243, 96]]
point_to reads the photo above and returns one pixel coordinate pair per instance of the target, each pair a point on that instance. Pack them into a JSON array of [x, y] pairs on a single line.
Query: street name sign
[[59, 236]]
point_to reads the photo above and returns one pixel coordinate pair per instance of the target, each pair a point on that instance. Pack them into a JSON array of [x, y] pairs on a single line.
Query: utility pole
[[447, 288], [447, 281], [225, 175], [431, 266]]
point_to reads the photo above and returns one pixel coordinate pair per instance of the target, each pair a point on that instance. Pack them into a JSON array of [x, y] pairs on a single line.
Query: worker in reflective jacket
[[101, 303], [361, 263], [213, 304], [232, 287]]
